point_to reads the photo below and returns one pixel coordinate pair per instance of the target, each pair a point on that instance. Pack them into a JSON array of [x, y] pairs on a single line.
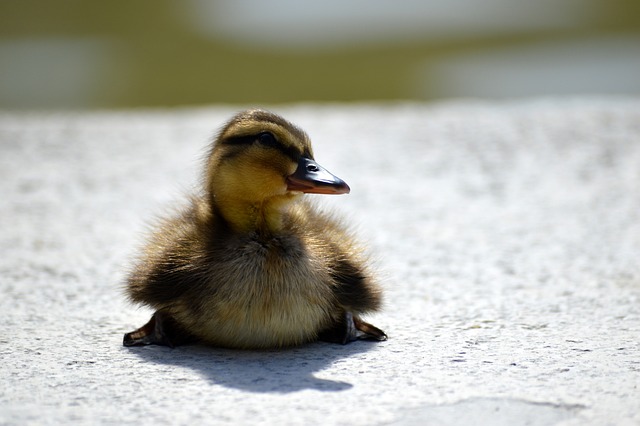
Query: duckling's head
[[259, 164]]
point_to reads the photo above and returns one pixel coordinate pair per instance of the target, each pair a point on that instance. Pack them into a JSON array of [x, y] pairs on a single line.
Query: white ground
[[507, 236]]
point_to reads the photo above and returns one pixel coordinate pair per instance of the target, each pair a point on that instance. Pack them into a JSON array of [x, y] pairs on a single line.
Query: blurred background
[[157, 53]]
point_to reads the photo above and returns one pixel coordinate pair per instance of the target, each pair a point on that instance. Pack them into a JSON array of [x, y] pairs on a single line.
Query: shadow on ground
[[279, 371]]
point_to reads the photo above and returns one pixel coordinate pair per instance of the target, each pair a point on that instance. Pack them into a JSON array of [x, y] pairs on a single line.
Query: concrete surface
[[507, 236]]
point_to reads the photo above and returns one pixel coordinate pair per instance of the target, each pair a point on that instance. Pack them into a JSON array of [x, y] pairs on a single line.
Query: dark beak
[[312, 178]]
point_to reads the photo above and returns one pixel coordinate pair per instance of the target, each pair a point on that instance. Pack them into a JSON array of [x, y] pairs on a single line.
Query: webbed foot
[[351, 328], [162, 329], [368, 331]]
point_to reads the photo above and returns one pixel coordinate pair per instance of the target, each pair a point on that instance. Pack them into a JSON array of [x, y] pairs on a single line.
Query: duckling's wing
[[174, 265], [174, 261], [354, 288], [162, 282]]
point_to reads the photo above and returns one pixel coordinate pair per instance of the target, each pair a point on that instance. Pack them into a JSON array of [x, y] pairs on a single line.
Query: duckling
[[251, 263]]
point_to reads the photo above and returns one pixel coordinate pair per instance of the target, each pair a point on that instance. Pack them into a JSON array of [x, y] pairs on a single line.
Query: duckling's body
[[251, 264]]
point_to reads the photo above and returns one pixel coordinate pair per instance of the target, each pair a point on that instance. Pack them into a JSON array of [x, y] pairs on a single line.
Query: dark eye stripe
[[239, 140], [266, 139]]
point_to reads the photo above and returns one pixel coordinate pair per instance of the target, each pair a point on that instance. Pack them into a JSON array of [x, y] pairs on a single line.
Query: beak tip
[[311, 178]]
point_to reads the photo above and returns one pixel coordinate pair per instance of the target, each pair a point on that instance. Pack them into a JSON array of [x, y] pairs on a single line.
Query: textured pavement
[[507, 237]]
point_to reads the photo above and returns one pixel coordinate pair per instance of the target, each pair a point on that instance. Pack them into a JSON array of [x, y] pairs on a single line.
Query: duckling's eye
[[267, 139]]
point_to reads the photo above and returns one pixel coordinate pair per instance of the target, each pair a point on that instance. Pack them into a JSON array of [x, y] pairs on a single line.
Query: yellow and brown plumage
[[251, 263]]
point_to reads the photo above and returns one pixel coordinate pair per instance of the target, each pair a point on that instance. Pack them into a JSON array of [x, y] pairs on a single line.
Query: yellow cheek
[[262, 176]]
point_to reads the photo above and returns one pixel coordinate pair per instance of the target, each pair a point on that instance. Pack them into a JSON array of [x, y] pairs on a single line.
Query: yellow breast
[[263, 294]]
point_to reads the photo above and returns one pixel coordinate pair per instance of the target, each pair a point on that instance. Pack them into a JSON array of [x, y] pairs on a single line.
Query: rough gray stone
[[506, 234]]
